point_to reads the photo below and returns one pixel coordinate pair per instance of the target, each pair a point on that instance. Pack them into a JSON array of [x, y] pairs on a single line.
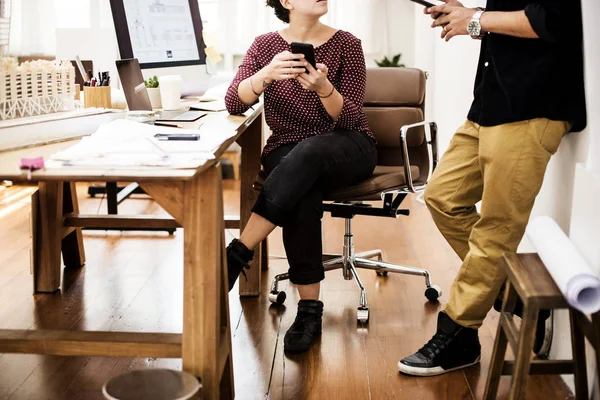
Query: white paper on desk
[[213, 135], [128, 162], [128, 143], [572, 274], [216, 105]]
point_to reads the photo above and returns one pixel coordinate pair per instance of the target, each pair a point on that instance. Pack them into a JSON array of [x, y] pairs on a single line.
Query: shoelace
[[436, 344]]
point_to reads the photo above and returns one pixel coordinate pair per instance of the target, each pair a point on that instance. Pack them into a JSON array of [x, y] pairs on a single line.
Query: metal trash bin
[[153, 384]]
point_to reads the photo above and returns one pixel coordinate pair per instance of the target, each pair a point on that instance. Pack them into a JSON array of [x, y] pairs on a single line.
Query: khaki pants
[[504, 167]]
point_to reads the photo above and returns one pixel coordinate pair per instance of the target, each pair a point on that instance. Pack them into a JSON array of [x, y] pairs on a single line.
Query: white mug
[[170, 91]]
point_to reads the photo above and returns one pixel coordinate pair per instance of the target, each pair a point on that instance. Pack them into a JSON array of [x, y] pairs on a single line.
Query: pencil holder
[[97, 96]]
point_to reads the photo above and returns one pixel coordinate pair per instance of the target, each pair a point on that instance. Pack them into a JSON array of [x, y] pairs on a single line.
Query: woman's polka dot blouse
[[295, 114]]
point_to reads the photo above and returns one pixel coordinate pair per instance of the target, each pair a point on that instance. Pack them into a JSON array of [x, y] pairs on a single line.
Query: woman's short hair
[[280, 11]]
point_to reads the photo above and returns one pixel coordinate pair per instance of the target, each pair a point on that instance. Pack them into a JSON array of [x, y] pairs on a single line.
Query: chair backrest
[[396, 97]]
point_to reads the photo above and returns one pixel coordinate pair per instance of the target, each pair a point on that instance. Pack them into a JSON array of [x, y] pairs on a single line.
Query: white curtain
[[365, 19], [240, 21], [31, 30], [34, 23]]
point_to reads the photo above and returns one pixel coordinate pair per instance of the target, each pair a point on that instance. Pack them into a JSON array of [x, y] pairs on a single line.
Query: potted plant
[[153, 92], [393, 63]]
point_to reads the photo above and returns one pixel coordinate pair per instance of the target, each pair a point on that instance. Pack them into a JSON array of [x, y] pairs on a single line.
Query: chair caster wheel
[[433, 293], [277, 297], [382, 273], [362, 315]]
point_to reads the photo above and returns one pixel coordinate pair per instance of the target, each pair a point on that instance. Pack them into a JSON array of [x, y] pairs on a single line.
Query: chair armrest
[[431, 138]]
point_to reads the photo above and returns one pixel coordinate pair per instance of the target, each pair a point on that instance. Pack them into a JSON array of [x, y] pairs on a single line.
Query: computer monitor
[[165, 36]]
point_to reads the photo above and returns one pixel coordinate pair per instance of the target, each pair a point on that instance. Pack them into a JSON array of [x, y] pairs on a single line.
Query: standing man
[[528, 94]]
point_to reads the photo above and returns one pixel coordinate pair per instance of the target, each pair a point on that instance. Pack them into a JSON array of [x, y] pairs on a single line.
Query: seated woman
[[320, 142]]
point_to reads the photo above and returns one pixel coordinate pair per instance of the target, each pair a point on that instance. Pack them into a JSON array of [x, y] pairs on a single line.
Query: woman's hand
[[285, 65], [316, 80]]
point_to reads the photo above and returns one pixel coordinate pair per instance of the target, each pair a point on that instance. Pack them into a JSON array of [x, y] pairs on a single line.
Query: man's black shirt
[[520, 79]]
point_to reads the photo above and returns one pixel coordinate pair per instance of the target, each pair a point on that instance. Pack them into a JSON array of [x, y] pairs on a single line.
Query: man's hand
[[316, 80], [454, 3], [454, 20]]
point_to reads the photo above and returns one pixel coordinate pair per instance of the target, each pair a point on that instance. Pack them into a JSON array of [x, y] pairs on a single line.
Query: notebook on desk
[[137, 97], [214, 106]]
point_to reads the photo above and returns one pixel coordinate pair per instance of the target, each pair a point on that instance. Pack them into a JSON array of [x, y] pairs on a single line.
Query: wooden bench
[[529, 280]]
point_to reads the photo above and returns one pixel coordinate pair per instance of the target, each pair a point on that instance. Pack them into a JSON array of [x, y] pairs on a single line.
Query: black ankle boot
[[306, 328], [238, 257], [451, 348]]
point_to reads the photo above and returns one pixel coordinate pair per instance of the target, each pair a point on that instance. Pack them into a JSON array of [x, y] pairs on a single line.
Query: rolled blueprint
[[573, 276]]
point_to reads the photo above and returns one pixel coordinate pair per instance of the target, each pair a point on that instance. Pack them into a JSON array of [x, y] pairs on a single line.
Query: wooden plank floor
[[133, 282]]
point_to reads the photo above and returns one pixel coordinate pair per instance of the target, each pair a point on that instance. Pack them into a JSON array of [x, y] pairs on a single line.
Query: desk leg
[[47, 213], [72, 244], [251, 142], [227, 383], [206, 335]]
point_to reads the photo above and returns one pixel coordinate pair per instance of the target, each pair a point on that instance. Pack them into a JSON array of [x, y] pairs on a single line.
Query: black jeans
[[299, 176]]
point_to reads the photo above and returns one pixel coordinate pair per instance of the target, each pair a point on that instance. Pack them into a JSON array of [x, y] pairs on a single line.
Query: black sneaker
[[452, 347], [306, 328], [543, 331], [238, 257]]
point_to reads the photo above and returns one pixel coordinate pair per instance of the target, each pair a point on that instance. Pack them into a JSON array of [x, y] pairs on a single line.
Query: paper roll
[[573, 276]]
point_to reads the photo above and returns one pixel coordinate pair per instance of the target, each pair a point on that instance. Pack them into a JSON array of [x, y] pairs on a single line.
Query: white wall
[[591, 11], [401, 30], [367, 19], [572, 184], [451, 67]]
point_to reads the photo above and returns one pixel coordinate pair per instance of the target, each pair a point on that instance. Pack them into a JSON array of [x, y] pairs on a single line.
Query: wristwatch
[[474, 27]]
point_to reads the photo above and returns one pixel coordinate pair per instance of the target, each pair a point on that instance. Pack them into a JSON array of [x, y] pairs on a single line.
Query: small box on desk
[[97, 96]]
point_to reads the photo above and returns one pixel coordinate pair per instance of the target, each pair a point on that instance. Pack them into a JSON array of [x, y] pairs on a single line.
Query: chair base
[[349, 263]]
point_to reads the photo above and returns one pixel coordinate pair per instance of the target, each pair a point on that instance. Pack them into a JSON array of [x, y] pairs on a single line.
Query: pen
[[169, 125]]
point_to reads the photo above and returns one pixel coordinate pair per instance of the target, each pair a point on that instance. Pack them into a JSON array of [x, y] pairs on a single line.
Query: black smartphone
[[177, 136], [308, 50], [428, 3]]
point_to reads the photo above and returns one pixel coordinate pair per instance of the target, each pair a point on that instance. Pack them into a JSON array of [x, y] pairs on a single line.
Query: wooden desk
[[194, 199]]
